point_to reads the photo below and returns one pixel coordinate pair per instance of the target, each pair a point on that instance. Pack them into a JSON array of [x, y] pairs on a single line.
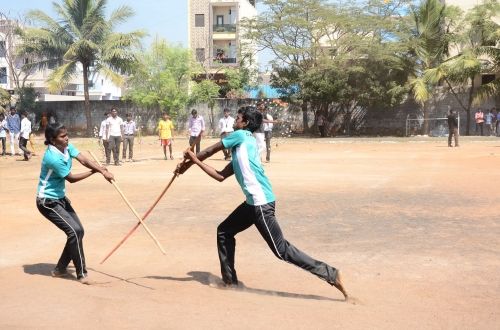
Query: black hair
[[194, 112], [252, 117], [52, 131]]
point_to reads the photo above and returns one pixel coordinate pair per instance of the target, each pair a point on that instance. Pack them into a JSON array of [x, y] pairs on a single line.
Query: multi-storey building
[[214, 33], [100, 88]]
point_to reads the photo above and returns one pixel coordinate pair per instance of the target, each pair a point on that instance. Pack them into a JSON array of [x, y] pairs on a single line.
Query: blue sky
[[167, 19], [164, 18]]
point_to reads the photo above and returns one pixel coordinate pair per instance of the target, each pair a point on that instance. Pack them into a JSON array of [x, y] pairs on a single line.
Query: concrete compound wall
[[72, 113], [376, 121]]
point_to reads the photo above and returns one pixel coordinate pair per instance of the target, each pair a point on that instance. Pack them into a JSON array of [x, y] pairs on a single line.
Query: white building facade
[[100, 88]]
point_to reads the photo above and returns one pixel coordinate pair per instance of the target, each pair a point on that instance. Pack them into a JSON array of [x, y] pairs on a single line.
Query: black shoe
[[59, 273]]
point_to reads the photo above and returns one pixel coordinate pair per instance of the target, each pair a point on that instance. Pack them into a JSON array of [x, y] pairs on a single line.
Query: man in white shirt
[[226, 124], [196, 127], [3, 132], [24, 135], [114, 131], [104, 138]]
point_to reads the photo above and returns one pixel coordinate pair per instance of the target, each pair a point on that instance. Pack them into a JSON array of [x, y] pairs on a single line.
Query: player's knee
[[79, 232]]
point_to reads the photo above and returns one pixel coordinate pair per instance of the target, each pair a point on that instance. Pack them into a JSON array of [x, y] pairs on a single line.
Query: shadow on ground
[[213, 281]]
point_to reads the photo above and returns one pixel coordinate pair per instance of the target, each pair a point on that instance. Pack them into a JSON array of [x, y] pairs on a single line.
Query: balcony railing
[[224, 28], [225, 60]]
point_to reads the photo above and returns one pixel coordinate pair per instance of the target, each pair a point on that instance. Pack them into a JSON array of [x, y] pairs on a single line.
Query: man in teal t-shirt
[[259, 206]]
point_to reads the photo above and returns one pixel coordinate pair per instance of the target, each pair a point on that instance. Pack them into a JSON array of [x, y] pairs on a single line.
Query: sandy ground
[[413, 225]]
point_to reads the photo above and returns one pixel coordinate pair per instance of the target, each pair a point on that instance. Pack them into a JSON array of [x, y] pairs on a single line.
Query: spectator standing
[[479, 117], [321, 124], [24, 135], [259, 134], [452, 128], [498, 123], [226, 124], [14, 128], [268, 122], [44, 122], [114, 131], [196, 127], [3, 132], [129, 129], [494, 121], [489, 123], [165, 129], [104, 138]]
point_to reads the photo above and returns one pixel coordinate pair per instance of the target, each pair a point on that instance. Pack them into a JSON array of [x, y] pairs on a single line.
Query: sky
[[164, 18]]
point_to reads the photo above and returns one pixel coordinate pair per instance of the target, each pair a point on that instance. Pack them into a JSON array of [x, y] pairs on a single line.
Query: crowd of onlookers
[[18, 129], [487, 123], [117, 136]]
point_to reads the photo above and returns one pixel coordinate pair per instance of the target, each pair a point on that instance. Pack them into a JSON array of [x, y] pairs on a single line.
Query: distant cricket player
[[51, 198], [259, 207]]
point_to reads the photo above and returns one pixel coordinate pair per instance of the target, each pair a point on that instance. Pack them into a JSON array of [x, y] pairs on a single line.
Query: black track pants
[[263, 218], [61, 214]]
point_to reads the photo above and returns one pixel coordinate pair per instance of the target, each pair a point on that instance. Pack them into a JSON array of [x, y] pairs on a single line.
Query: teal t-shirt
[[247, 167], [55, 167]]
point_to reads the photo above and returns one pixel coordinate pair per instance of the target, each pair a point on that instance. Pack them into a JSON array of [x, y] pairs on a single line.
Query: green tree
[[206, 91], [81, 38], [27, 98], [4, 99], [429, 44], [477, 53], [488, 30], [161, 78], [326, 50]]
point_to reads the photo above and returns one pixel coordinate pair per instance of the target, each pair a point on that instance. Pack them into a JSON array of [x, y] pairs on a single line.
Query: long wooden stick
[[132, 209], [149, 210]]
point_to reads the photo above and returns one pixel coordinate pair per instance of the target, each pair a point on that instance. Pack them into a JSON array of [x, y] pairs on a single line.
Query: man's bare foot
[[340, 286]]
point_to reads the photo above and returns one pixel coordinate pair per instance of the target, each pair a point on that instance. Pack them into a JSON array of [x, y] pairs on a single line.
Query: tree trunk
[[88, 115], [469, 104], [425, 128], [212, 128], [305, 117]]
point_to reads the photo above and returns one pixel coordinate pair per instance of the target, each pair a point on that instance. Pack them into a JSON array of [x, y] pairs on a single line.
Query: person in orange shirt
[[165, 129]]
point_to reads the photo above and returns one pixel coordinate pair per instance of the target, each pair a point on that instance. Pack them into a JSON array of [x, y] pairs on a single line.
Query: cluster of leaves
[[161, 78], [80, 38], [334, 55]]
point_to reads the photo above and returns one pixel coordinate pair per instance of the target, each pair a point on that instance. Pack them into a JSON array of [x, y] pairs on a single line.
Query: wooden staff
[[132, 209], [150, 208]]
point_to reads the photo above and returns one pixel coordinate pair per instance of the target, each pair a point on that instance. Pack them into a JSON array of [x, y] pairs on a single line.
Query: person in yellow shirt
[[165, 129]]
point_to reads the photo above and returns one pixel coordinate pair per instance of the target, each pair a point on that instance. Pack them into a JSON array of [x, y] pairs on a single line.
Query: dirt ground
[[413, 225]]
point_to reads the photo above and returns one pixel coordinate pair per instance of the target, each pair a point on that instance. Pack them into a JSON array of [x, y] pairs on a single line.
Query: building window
[[3, 51], [200, 54], [199, 20], [487, 78], [3, 75], [220, 20]]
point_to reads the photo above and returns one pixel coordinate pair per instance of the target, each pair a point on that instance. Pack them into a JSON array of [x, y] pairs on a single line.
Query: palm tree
[[429, 45], [81, 38], [478, 53]]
